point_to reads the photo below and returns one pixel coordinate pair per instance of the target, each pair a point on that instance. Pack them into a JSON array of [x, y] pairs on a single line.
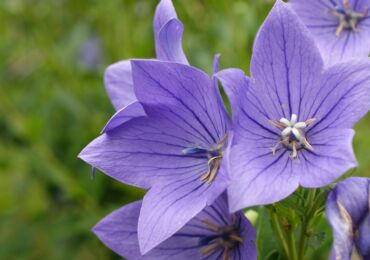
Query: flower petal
[[351, 196], [341, 99], [168, 207], [168, 32], [234, 82], [363, 241], [145, 151], [257, 176], [180, 91], [124, 115], [285, 64], [331, 157], [118, 231], [247, 250], [119, 85]]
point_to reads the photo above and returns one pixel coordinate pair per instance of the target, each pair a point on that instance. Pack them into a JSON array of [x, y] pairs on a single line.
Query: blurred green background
[[52, 103]]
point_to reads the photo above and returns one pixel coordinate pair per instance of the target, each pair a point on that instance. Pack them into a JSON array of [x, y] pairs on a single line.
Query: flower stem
[[277, 228], [309, 205], [302, 240], [291, 242]]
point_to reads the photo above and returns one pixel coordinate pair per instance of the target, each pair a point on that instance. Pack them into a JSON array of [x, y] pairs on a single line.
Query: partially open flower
[[213, 234], [348, 212]]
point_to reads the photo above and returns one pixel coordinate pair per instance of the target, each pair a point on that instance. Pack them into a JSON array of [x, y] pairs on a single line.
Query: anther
[[214, 156]]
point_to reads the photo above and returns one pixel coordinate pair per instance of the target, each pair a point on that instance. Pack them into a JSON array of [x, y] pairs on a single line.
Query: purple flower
[[340, 27], [176, 150], [213, 234], [168, 41], [348, 212], [292, 118]]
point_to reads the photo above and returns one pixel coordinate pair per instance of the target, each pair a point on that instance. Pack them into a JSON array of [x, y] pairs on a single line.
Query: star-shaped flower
[[213, 234], [341, 28], [178, 149], [348, 212], [293, 119]]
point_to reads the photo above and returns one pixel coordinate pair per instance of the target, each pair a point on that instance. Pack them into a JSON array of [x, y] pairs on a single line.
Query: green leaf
[[316, 240]]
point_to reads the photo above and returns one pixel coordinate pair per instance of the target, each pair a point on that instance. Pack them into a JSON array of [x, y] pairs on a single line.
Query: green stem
[[291, 242], [302, 240], [310, 205], [277, 228]]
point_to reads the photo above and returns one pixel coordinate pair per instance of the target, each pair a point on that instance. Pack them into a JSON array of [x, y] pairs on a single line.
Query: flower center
[[293, 135], [226, 238], [347, 18], [214, 156]]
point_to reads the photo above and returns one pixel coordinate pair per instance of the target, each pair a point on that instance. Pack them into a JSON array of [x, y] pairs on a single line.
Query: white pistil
[[292, 134]]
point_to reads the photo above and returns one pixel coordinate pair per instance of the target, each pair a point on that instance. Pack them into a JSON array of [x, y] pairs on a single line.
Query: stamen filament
[[210, 248], [212, 226], [210, 175], [277, 124], [226, 255]]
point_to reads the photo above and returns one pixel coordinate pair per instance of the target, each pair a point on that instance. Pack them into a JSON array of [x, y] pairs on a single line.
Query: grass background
[[52, 103]]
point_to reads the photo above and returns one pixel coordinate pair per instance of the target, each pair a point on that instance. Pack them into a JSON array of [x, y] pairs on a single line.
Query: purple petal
[[118, 231], [258, 177], [124, 115], [363, 240], [341, 99], [164, 13], [168, 32], [145, 151], [348, 212], [167, 208], [332, 157], [118, 83], [234, 83], [285, 63], [216, 63], [184, 93]]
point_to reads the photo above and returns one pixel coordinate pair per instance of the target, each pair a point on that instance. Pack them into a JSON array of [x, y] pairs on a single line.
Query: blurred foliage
[[52, 103]]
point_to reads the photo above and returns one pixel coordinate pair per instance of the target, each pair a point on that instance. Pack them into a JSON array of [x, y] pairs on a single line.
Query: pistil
[[292, 135], [348, 18]]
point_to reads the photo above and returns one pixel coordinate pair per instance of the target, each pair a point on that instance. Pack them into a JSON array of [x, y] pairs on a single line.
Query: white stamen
[[285, 121]]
